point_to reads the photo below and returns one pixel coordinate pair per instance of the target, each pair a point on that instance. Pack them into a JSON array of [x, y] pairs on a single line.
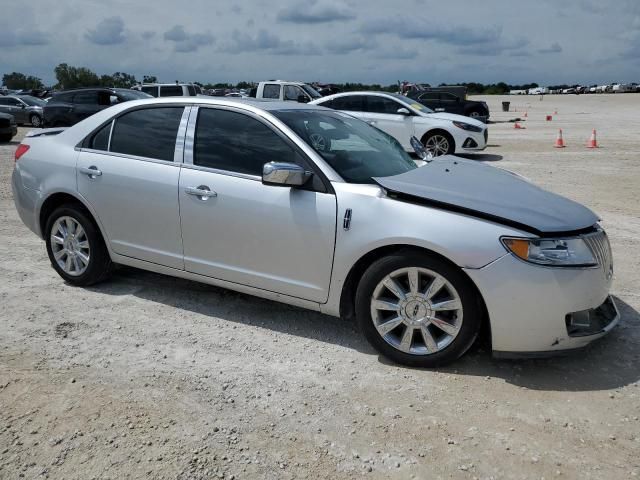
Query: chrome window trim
[[190, 135], [132, 157], [113, 122], [227, 173], [178, 154]]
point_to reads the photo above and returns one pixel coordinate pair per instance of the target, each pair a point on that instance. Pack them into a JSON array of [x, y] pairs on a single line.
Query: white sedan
[[401, 117]]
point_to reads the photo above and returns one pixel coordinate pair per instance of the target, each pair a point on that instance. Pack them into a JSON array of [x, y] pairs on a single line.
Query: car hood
[[491, 193], [453, 117]]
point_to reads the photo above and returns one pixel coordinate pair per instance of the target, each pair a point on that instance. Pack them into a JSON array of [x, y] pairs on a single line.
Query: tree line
[[68, 76]]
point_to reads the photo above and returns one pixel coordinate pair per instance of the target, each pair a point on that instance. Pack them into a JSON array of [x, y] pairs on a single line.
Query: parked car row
[[24, 108], [8, 127], [581, 89], [336, 217]]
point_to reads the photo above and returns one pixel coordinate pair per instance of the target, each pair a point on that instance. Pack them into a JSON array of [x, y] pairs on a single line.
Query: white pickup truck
[[281, 90]]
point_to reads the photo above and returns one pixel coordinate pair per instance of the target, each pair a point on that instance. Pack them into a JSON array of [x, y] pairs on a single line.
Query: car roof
[[266, 105], [360, 92], [94, 89]]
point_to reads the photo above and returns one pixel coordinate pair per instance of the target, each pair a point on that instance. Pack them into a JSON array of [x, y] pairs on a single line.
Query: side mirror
[[283, 174], [403, 111], [303, 99], [420, 149], [22, 106]]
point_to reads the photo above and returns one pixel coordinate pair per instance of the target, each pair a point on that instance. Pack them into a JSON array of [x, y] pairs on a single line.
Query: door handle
[[91, 172], [202, 192], [371, 122]]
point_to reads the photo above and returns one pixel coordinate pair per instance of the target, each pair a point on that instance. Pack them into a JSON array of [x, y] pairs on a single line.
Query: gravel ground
[[147, 376]]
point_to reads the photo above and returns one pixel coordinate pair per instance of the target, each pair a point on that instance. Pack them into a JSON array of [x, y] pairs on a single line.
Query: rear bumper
[[26, 201], [539, 310]]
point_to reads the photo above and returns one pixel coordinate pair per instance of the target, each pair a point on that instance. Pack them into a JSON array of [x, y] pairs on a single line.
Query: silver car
[[312, 207], [24, 108]]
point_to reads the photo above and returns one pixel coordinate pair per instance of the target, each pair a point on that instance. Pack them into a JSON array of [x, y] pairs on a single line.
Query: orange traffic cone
[[593, 143], [559, 140], [517, 126], [525, 115]]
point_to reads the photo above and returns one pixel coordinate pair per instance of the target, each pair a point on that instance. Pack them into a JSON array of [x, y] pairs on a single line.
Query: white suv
[[169, 89]]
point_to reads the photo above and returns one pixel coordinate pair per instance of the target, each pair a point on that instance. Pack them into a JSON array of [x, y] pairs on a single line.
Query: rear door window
[[149, 133], [192, 90], [86, 98], [271, 90], [375, 104], [171, 91], [350, 103]]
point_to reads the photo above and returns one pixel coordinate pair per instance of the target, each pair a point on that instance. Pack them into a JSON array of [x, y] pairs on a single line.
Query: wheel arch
[[440, 130], [55, 200], [347, 296]]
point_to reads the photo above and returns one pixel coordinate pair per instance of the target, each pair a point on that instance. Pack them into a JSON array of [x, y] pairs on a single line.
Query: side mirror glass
[[403, 111], [283, 174], [303, 99], [420, 149]]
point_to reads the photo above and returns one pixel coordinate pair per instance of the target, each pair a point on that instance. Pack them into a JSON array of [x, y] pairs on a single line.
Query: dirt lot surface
[[147, 376]]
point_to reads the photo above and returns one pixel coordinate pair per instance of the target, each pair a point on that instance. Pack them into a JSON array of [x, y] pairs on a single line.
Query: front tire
[[75, 246], [439, 143], [417, 310]]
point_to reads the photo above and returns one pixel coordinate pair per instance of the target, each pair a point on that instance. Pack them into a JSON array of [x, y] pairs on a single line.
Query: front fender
[[380, 221]]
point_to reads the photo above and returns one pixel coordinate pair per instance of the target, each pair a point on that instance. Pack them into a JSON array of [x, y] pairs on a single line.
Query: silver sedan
[[312, 207]]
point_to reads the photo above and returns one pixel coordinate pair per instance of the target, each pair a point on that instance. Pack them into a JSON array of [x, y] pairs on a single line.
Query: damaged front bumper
[[538, 311]]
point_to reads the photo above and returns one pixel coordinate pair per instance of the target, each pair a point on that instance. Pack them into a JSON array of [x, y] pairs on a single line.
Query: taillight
[[21, 150]]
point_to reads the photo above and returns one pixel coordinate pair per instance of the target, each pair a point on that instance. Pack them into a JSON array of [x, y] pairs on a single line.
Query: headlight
[[466, 126], [555, 252]]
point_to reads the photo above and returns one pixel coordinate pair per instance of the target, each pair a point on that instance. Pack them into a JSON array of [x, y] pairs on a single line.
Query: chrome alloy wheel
[[70, 246], [416, 311], [437, 145]]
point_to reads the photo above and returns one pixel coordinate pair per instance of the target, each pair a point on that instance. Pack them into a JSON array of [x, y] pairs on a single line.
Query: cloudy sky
[[544, 41]]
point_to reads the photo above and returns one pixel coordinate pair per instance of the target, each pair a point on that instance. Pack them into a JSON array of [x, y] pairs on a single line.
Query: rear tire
[[440, 315], [75, 246], [5, 138], [35, 121]]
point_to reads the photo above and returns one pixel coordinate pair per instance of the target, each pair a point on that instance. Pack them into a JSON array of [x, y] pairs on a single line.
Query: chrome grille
[[599, 245]]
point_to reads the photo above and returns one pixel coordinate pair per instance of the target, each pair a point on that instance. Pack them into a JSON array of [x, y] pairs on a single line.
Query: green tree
[[149, 79], [20, 81], [123, 80], [74, 77]]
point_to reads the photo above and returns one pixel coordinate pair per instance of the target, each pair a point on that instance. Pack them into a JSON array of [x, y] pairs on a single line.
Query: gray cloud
[[315, 12], [148, 34], [109, 31], [497, 47], [187, 42], [268, 42], [345, 46], [554, 48], [412, 28], [9, 38]]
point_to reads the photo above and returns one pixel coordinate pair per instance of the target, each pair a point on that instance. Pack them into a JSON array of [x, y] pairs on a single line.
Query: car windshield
[[412, 103], [32, 101], [311, 91], [355, 150], [132, 95]]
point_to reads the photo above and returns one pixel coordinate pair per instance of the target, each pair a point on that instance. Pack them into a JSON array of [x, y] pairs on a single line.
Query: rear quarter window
[[271, 90]]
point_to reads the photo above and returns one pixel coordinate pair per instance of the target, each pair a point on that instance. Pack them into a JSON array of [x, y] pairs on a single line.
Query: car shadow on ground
[[482, 157], [610, 363]]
